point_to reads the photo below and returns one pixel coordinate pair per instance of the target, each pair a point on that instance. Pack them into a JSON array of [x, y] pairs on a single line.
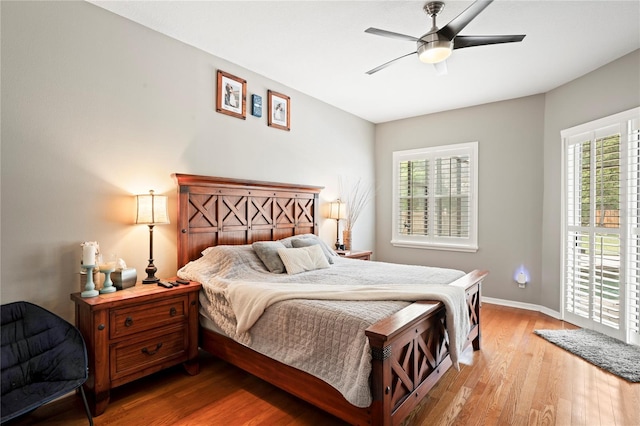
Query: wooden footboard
[[409, 351]]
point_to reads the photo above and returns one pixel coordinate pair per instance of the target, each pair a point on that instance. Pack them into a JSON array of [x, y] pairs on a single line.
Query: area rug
[[603, 351]]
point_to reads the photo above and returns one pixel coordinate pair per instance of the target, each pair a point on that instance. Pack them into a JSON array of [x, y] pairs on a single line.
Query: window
[[435, 202], [601, 256]]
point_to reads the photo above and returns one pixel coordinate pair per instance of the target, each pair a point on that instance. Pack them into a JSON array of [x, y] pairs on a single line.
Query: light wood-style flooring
[[516, 379]]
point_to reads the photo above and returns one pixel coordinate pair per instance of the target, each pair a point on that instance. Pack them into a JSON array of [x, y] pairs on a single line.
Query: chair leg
[[86, 406]]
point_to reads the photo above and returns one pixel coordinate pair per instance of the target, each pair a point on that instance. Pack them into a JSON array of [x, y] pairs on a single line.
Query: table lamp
[[152, 210], [337, 211]]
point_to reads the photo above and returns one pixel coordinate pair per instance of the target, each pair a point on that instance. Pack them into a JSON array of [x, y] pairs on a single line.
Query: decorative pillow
[[306, 239], [302, 259], [267, 251], [307, 242]]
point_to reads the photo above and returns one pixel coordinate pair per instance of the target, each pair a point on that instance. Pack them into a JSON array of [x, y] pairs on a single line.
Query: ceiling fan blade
[[378, 68], [459, 22], [469, 41], [390, 34], [441, 67]]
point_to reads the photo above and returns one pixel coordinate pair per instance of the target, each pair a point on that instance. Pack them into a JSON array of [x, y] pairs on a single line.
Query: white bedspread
[[302, 321]]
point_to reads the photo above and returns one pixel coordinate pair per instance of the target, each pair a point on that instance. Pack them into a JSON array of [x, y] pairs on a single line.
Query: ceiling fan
[[436, 45]]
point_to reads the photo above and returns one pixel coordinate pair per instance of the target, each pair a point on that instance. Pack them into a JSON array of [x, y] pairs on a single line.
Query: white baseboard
[[522, 305]]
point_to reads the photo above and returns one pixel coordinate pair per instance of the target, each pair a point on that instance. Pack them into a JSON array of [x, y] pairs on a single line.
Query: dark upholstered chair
[[43, 358]]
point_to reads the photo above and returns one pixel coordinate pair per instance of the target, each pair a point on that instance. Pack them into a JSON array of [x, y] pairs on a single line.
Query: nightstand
[[355, 254], [134, 332]]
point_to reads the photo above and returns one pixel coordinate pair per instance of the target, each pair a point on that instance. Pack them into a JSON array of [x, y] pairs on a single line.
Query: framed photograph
[[279, 108], [231, 98]]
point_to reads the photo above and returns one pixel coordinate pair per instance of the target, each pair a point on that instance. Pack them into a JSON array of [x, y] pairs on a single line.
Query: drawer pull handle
[[152, 352], [128, 322], [172, 312]]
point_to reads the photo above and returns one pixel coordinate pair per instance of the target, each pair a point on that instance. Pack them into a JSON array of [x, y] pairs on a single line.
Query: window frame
[[463, 244]]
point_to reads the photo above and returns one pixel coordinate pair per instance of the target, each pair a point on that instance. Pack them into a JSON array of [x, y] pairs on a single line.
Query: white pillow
[[302, 259]]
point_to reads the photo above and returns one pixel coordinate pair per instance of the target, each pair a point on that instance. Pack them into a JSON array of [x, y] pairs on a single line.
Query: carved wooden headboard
[[214, 211]]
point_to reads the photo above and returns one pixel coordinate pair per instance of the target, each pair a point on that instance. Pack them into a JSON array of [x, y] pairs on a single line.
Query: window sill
[[435, 246]]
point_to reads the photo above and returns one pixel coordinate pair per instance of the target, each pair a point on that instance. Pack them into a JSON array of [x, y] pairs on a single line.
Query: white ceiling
[[320, 47]]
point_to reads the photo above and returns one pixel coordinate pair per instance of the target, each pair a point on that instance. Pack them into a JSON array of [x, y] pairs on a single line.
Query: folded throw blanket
[[250, 299]]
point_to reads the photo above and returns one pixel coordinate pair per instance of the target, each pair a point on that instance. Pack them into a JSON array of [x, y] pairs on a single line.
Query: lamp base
[[151, 274]]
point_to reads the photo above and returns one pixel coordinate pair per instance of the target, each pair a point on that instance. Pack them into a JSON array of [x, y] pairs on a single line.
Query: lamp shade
[[338, 210], [152, 209]]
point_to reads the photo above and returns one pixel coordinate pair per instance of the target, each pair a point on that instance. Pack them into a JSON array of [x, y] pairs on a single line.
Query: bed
[[408, 349]]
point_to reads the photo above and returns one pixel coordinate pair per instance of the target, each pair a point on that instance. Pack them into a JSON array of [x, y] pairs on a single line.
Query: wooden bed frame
[[409, 349]]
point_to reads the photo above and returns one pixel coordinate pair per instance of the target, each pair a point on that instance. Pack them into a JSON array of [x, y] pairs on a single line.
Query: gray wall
[[520, 174], [96, 108], [509, 136], [610, 89]]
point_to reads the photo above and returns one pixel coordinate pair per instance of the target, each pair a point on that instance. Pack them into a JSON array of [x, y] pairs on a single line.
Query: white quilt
[[315, 320]]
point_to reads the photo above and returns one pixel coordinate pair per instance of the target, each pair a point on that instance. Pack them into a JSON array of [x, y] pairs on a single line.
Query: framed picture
[[231, 98], [256, 105], [279, 108]]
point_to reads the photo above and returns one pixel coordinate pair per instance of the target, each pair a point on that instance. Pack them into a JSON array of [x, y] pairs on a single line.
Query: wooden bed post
[[381, 373]]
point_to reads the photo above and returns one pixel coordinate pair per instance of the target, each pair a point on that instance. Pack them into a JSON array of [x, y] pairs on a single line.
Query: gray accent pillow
[[267, 251], [328, 251]]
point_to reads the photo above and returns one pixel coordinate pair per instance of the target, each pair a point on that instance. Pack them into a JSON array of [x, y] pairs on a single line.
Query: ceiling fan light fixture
[[436, 46], [434, 52]]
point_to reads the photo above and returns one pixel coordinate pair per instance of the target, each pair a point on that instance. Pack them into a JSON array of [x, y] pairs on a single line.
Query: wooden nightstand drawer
[[134, 356], [131, 320]]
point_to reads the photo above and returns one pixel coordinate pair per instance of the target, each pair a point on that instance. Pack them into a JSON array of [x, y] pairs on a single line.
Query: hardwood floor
[[517, 379]]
